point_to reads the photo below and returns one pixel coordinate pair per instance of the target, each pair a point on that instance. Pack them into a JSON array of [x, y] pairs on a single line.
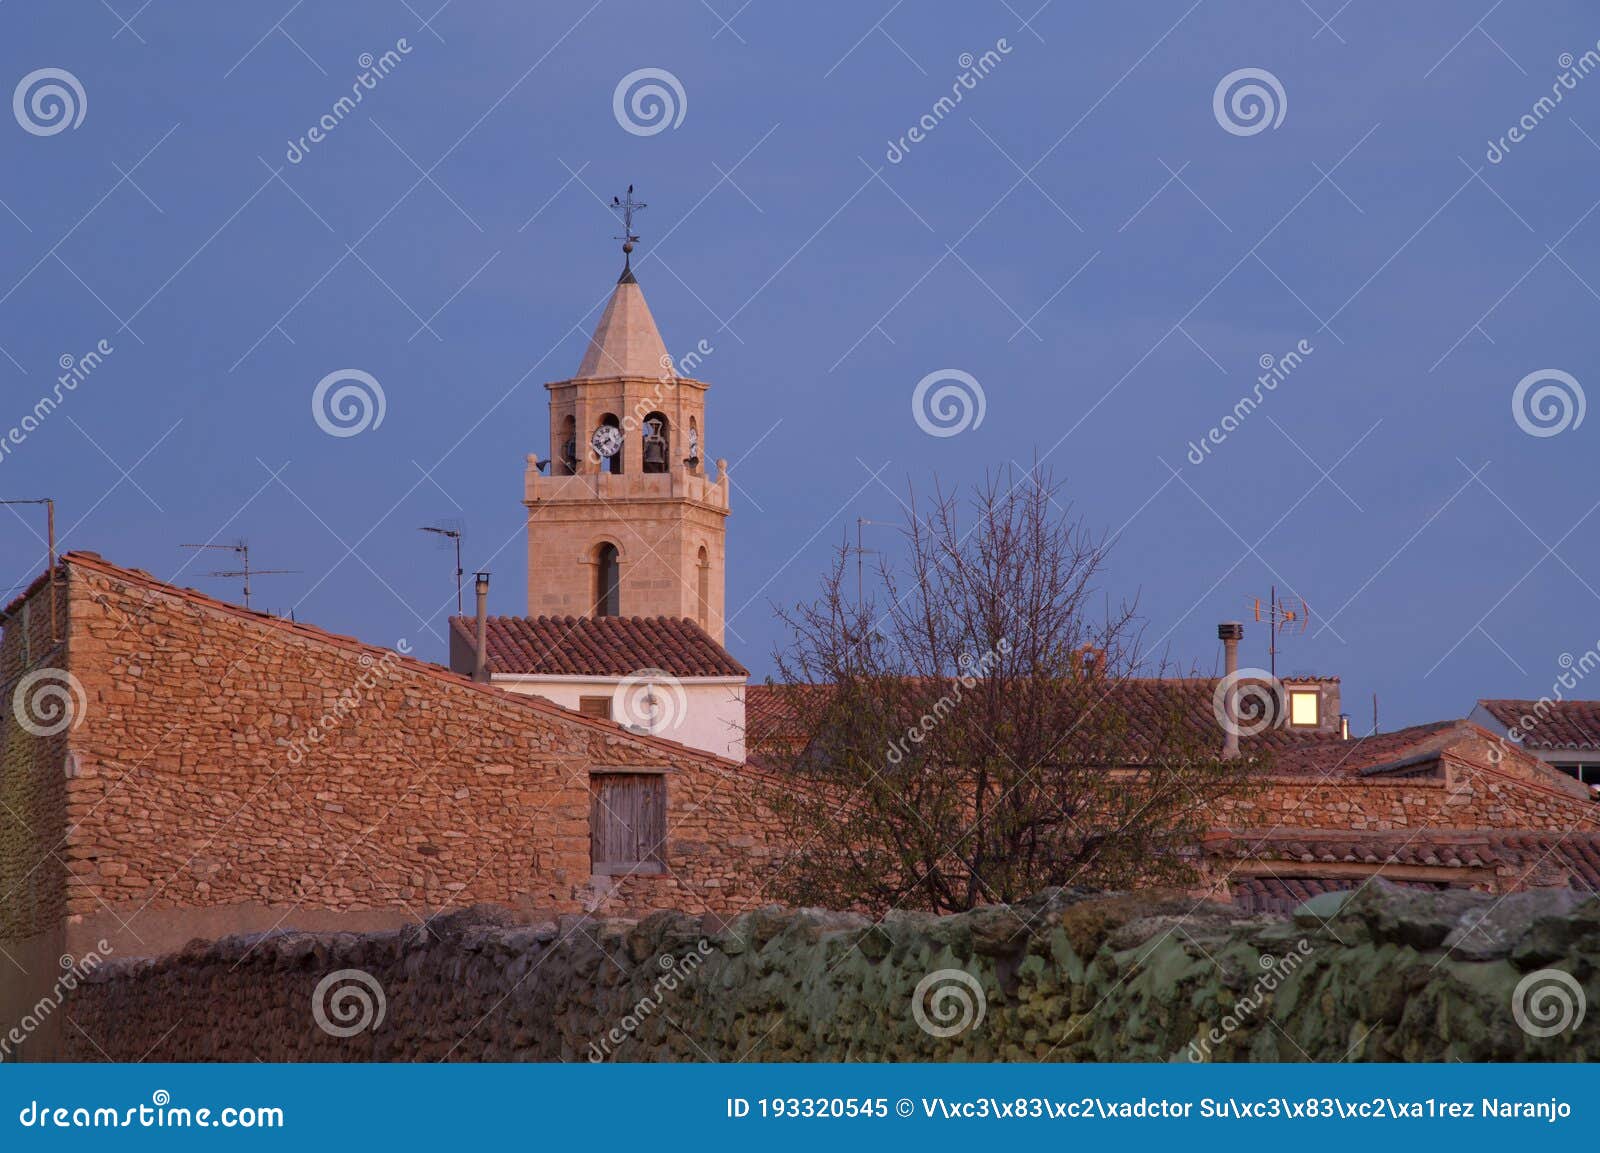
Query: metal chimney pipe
[[480, 661], [1230, 633]]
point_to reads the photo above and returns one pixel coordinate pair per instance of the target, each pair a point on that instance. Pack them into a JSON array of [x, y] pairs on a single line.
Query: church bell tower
[[628, 520]]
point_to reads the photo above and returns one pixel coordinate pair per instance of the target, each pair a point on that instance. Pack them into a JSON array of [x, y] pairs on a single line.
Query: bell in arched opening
[[657, 447]]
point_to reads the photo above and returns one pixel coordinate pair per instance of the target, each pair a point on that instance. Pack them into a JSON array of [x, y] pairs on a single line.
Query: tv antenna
[[450, 531], [1281, 617], [861, 552], [242, 550]]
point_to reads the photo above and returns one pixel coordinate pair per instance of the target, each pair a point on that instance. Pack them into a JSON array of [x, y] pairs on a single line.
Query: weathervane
[[627, 208]]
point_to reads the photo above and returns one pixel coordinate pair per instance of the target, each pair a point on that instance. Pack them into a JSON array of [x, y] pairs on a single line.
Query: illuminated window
[[1304, 707]]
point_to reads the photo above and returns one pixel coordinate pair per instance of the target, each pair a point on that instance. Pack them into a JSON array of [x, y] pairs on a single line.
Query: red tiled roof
[[1320, 756], [600, 647], [1575, 854], [1150, 704], [94, 562], [1550, 724]]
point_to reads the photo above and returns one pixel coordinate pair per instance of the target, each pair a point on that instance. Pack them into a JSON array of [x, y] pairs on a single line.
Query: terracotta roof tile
[[1575, 855], [1151, 704], [1550, 724], [600, 647]]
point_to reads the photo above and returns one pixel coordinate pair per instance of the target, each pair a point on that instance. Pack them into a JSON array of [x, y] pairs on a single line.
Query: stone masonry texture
[[1384, 974], [231, 771]]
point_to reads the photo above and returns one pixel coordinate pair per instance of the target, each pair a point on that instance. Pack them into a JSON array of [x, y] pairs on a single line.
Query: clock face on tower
[[607, 441]]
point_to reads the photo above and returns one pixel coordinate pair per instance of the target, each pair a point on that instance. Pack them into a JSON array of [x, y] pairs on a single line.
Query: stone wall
[[1386, 974], [33, 826], [230, 771], [1460, 795]]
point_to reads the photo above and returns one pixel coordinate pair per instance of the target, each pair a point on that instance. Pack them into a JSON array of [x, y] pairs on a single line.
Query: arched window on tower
[[657, 443], [693, 459], [703, 588], [569, 447], [607, 581]]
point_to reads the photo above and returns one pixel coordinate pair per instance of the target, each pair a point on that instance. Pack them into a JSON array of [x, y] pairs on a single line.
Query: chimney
[[480, 659], [1230, 633]]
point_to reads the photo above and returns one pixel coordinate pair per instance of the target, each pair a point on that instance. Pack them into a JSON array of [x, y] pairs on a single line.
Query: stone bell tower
[[627, 521]]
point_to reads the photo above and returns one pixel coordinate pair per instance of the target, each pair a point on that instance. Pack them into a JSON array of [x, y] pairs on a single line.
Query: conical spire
[[626, 341]]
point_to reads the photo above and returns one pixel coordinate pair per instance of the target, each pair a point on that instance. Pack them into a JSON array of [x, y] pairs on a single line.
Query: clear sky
[[1105, 253]]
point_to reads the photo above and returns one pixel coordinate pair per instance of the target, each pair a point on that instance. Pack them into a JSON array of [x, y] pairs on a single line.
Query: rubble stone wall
[[1386, 974], [229, 772]]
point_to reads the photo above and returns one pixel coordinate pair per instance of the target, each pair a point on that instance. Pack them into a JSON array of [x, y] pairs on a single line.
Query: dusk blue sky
[[1037, 239]]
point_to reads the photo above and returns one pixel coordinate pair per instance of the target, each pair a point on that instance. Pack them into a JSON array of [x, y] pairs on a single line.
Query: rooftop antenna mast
[[453, 535], [50, 531], [862, 552], [626, 209], [1280, 617], [242, 550]]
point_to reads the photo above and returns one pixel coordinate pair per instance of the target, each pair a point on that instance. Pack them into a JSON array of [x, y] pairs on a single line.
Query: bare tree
[[977, 731]]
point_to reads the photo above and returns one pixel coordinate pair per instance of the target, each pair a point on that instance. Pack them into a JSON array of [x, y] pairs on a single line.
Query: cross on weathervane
[[626, 209]]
